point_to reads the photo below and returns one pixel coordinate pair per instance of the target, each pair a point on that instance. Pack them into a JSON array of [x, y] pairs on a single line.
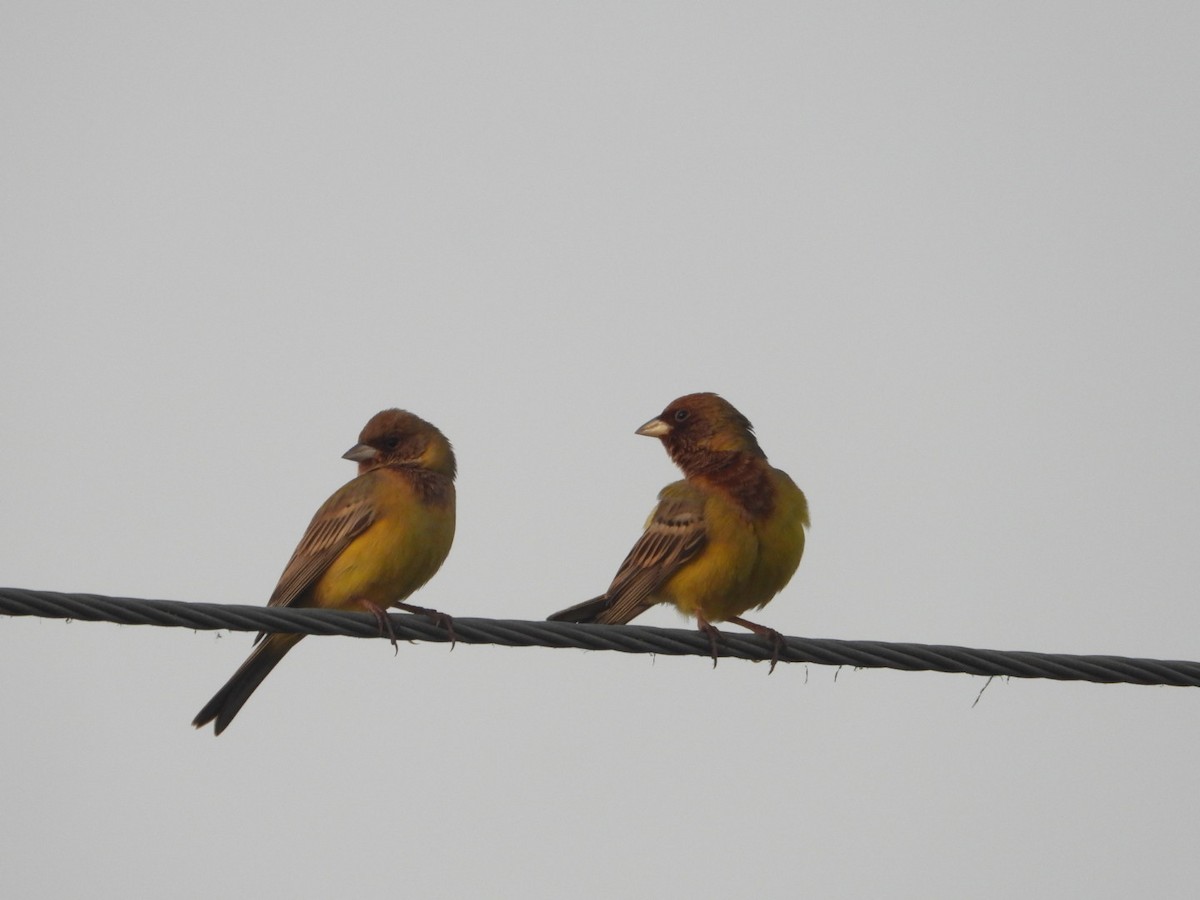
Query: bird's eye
[[392, 441], [680, 415]]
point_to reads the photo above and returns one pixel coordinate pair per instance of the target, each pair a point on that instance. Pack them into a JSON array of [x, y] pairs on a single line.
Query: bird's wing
[[343, 517], [674, 535]]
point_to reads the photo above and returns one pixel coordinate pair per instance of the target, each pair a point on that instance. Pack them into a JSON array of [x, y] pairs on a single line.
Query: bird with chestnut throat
[[722, 541]]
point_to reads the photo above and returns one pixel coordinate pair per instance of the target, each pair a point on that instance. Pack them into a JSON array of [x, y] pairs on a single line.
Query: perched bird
[[374, 542], [724, 540]]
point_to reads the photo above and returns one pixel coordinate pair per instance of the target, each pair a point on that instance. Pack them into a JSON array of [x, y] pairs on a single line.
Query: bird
[[378, 539], [724, 540]]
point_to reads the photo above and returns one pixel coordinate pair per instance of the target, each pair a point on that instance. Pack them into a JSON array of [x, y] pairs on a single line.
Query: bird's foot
[[385, 624], [770, 635], [714, 635], [439, 618]]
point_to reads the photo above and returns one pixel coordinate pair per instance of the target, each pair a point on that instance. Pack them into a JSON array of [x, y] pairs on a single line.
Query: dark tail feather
[[587, 611], [258, 665]]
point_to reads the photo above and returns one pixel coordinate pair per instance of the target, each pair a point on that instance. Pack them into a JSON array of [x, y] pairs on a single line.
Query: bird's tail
[[585, 612], [237, 690]]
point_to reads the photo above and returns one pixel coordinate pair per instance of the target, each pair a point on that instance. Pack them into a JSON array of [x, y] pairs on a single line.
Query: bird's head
[[395, 437], [698, 430]]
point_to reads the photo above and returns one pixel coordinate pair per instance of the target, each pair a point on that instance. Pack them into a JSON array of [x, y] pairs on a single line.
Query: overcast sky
[[943, 255]]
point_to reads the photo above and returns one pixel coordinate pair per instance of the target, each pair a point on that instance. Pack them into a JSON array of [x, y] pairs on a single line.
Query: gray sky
[[944, 256]]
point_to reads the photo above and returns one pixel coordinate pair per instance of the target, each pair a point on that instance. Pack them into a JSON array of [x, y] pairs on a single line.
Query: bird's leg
[[385, 624], [709, 629], [439, 618], [770, 635]]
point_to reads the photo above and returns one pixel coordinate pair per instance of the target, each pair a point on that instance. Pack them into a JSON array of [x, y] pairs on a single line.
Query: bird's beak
[[360, 453], [655, 428]]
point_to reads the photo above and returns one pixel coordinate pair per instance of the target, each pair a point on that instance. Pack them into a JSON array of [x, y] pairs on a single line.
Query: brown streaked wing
[[674, 535], [342, 518]]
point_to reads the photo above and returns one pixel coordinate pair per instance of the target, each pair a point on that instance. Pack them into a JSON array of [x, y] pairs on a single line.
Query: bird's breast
[[747, 558], [397, 553]]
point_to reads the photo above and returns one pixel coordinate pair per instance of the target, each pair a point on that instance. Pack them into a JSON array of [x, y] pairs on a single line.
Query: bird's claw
[[770, 635], [441, 619], [713, 636], [385, 624]]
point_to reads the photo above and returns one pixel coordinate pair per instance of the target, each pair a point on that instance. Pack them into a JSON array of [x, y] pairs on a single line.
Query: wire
[[622, 638]]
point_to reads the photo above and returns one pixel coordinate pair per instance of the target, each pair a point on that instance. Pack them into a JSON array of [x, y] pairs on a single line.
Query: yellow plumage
[[745, 562], [370, 569]]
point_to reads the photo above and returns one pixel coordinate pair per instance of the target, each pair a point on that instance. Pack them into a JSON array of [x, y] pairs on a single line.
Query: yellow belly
[[400, 551], [744, 564]]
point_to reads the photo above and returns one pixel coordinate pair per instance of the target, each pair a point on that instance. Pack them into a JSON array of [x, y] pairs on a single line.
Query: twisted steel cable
[[623, 638]]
